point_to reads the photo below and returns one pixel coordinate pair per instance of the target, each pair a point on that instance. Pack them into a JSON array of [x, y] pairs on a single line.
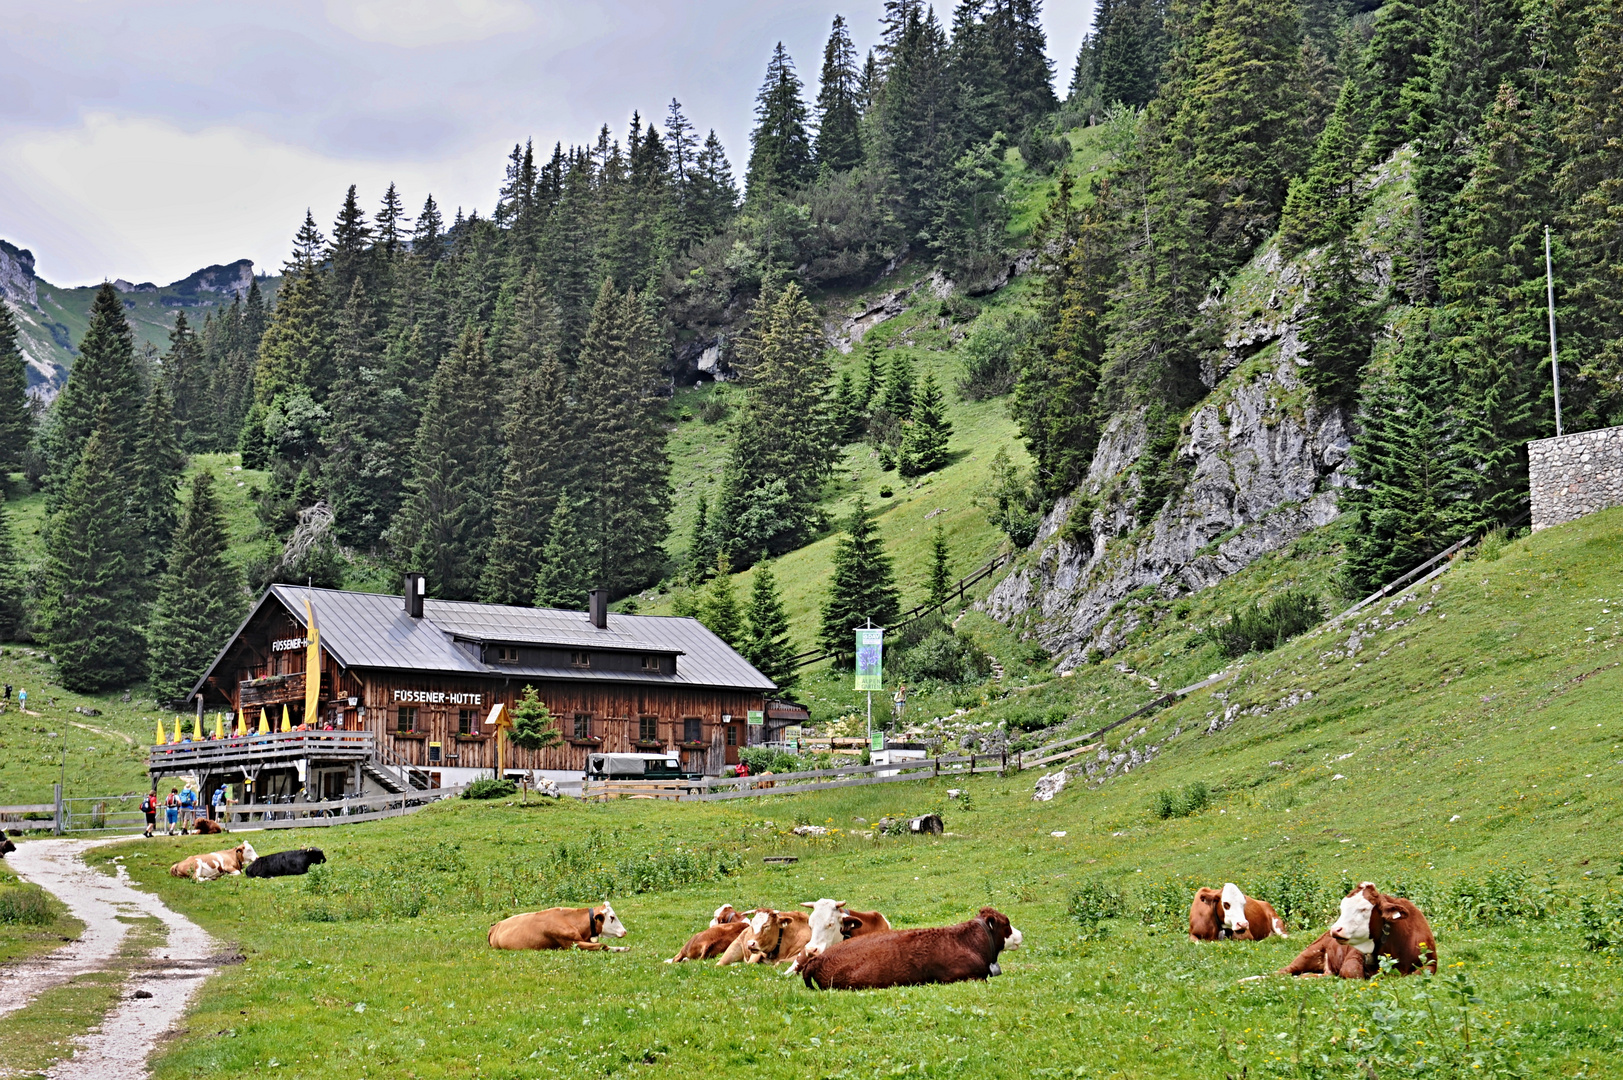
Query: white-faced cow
[[1371, 925], [738, 951], [725, 914], [969, 950], [215, 864], [1228, 912], [560, 928]]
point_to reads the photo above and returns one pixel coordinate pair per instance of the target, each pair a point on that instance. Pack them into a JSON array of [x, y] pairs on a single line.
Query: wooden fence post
[[59, 825]]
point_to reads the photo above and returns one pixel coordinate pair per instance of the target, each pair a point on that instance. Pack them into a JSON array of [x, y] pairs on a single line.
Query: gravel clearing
[[118, 1047]]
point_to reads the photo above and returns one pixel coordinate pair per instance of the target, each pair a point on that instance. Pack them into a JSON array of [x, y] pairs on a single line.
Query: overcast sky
[[144, 139]]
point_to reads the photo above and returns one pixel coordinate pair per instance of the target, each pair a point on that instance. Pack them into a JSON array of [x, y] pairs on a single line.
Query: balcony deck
[[213, 755], [274, 690]]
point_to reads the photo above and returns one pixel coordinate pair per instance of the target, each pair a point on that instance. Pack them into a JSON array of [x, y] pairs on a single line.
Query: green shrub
[[760, 760], [1165, 902], [1602, 921], [1093, 901], [24, 904], [1190, 799], [1510, 894], [1258, 629], [490, 789]]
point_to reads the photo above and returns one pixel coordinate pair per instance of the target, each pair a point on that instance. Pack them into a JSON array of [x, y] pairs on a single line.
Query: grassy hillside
[[1466, 753]]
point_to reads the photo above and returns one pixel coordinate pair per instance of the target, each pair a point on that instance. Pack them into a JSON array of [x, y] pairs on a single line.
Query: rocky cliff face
[[17, 275], [1262, 464]]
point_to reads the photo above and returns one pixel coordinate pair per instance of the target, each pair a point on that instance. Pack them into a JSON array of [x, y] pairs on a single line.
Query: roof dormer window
[[580, 659], [507, 654]]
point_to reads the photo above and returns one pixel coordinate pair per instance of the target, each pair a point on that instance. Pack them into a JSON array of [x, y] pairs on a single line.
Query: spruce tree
[[924, 442], [540, 424], [295, 352], [444, 527], [718, 610], [898, 395], [781, 152], [1130, 45], [839, 117], [13, 607], [104, 374], [625, 473], [16, 418], [939, 586], [186, 375], [914, 129], [782, 434], [701, 558], [153, 483], [848, 414], [567, 564], [1018, 40], [200, 596], [1338, 327], [367, 445], [862, 585], [766, 635], [1325, 200], [91, 608], [715, 194]]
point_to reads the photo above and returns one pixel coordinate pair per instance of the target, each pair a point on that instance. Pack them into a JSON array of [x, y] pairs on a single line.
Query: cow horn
[[807, 903]]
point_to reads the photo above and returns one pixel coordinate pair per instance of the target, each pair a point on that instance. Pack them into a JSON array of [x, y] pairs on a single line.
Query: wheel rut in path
[[117, 1048]]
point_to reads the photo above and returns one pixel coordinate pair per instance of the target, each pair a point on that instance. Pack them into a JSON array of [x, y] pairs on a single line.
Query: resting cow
[[969, 950], [286, 863], [711, 941], [780, 938], [209, 827], [6, 846], [821, 924], [1371, 925], [725, 914], [559, 928], [738, 951], [216, 863], [1228, 912]]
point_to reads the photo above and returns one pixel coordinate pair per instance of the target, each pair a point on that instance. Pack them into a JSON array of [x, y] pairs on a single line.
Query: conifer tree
[[715, 194], [1337, 330], [368, 443], [1325, 200], [862, 584], [153, 483], [702, 545], [188, 382], [13, 607], [924, 442], [1130, 45], [766, 634], [534, 333], [1027, 76], [444, 527], [351, 236], [16, 418], [914, 129], [539, 428], [719, 610], [839, 117], [625, 474], [848, 414], [781, 152], [200, 596], [295, 351], [104, 373], [939, 586], [873, 374], [567, 563], [898, 396], [91, 608], [782, 435], [533, 725]]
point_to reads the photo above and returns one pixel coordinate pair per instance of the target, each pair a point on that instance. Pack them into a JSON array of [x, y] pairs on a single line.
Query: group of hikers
[[180, 808]]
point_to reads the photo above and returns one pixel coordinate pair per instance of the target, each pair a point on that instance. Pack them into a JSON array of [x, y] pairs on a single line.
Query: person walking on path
[[149, 807], [188, 809], [219, 800], [171, 811]]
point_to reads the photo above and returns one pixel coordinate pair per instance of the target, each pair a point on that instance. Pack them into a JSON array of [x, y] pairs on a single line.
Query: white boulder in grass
[[1049, 786]]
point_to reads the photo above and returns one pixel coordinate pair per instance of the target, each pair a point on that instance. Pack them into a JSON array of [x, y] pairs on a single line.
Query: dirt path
[[116, 1048]]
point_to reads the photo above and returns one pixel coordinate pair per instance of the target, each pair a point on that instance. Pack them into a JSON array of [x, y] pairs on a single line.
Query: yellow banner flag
[[312, 666]]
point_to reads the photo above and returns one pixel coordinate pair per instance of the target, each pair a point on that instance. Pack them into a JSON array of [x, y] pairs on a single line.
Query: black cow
[[6, 846], [283, 863]]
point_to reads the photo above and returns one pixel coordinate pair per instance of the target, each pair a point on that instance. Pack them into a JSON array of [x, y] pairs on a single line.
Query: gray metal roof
[[372, 630]]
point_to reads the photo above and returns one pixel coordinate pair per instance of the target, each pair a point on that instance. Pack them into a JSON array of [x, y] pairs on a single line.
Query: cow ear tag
[[994, 969]]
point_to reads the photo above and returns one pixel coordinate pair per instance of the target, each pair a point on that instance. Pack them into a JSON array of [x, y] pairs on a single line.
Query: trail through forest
[[170, 974]]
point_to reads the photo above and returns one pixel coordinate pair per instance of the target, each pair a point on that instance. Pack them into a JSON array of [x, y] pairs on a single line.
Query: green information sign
[[876, 741], [756, 717], [870, 659]]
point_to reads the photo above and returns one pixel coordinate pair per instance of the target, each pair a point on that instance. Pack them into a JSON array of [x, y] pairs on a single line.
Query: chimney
[[416, 588], [598, 608]]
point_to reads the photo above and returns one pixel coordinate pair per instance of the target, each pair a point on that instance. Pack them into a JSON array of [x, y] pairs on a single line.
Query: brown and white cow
[[726, 913], [1228, 912], [711, 941], [780, 938], [560, 928], [1371, 925], [969, 950], [738, 951], [215, 864], [856, 923]]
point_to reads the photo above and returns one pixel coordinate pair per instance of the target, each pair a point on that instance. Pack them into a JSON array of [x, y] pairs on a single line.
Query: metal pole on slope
[[1549, 289]]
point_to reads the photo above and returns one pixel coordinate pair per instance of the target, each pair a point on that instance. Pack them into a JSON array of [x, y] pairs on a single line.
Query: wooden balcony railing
[[258, 749]]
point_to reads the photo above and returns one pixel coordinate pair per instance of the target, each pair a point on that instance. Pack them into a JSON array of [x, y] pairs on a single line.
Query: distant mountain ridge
[[52, 318]]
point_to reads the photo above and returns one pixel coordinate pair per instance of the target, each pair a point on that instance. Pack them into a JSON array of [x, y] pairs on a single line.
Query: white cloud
[[146, 200], [413, 24]]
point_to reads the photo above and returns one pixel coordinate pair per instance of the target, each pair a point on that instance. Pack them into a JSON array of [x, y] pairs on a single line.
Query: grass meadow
[[1465, 752]]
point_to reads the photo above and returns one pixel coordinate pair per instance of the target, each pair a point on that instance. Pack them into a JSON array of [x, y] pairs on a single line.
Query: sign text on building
[[289, 644], [438, 697]]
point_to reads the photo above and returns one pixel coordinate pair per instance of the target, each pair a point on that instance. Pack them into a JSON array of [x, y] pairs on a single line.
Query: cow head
[[6, 846], [1232, 902], [1004, 935], [1362, 912], [767, 931], [316, 855], [605, 923], [826, 924], [246, 852], [726, 913]]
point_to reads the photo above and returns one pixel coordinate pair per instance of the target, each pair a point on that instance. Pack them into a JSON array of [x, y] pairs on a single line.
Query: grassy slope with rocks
[[1466, 753]]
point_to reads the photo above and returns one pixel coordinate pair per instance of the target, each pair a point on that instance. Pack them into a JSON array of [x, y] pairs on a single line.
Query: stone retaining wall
[[1574, 475]]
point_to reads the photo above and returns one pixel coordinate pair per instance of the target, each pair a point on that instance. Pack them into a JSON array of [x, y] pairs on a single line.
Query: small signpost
[[870, 665], [499, 722]]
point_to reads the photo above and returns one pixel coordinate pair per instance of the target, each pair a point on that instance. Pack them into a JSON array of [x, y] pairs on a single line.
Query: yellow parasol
[[219, 726], [286, 724], [161, 740], [177, 729], [197, 729], [264, 724], [242, 724]]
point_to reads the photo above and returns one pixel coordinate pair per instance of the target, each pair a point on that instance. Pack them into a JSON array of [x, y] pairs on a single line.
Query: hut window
[[650, 663], [648, 728], [507, 654], [583, 725], [465, 720], [406, 719], [732, 735], [692, 729], [580, 659]]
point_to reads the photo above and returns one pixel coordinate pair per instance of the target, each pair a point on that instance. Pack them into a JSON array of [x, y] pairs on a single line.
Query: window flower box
[[473, 738], [703, 744], [595, 740], [649, 744]]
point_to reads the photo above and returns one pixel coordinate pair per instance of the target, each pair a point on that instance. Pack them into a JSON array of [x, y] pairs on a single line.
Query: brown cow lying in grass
[[1371, 925], [216, 863], [560, 928], [1229, 912], [711, 941], [209, 827], [969, 950]]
